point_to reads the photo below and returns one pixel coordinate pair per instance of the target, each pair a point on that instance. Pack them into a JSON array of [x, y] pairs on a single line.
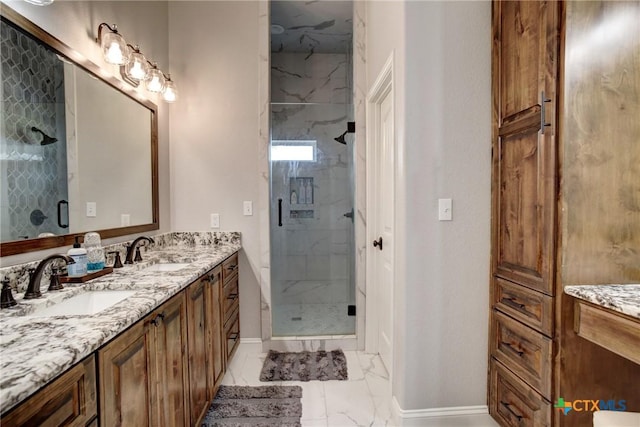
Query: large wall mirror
[[78, 151]]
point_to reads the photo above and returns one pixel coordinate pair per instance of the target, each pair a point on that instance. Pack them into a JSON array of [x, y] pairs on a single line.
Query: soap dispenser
[[79, 255]]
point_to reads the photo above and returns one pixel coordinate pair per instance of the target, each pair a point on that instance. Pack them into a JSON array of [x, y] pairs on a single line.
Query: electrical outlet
[[125, 220], [247, 208], [215, 220], [91, 209]]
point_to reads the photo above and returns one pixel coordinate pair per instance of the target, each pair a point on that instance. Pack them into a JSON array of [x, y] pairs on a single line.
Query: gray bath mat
[[263, 406], [304, 366]]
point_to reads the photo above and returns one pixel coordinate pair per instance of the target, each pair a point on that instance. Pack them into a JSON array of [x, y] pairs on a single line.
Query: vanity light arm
[[113, 28]]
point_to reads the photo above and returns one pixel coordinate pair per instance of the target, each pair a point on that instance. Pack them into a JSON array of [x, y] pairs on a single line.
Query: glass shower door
[[312, 284]]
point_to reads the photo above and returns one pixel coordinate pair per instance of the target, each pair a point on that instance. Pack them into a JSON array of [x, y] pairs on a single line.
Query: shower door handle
[[60, 224], [378, 243], [279, 212]]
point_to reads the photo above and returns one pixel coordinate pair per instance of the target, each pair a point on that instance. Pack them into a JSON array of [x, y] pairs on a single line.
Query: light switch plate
[[215, 220], [91, 209], [444, 210], [247, 209]]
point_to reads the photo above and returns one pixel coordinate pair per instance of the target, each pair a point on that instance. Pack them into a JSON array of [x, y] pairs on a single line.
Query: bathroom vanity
[[155, 358]]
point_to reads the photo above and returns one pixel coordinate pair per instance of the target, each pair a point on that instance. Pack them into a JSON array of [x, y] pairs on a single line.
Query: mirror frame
[[37, 244]]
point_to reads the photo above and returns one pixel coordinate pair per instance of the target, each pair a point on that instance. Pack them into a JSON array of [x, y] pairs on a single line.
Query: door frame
[[381, 88]]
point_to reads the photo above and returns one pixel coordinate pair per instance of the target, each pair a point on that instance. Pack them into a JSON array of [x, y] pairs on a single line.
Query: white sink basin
[[174, 266], [84, 304]]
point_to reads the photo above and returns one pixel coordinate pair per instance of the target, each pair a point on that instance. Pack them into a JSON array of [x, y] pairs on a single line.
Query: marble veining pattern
[[35, 350], [621, 298]]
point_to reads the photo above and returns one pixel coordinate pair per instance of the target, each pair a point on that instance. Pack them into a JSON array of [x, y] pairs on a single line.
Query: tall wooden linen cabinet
[[534, 355]]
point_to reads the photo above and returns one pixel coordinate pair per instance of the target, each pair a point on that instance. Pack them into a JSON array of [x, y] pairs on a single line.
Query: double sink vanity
[[146, 344]]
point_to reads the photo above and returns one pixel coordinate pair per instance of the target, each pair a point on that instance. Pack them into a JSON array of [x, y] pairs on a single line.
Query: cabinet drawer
[[231, 299], [71, 400], [229, 267], [232, 334], [525, 351], [514, 403], [532, 308]]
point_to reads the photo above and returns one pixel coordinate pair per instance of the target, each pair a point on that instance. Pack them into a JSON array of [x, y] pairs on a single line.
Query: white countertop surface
[[621, 298], [35, 350]]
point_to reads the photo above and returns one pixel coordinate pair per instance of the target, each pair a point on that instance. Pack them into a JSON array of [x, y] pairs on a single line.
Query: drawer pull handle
[[512, 348], [513, 303], [232, 296], [233, 337], [156, 320], [232, 267], [511, 411]]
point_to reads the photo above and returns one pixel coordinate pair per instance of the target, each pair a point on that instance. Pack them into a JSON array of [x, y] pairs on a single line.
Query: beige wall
[[214, 130], [75, 23], [442, 55]]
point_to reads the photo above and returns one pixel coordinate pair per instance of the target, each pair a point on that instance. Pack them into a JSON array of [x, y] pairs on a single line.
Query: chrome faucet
[[133, 246], [33, 289]]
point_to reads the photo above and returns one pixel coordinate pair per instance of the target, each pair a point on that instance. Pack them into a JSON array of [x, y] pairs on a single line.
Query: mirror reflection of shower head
[[351, 128], [46, 139]]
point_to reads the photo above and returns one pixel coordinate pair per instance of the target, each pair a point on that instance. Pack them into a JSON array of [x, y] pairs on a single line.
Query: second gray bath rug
[[304, 366]]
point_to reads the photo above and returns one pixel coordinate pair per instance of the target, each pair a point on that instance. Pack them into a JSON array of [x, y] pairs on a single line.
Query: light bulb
[[137, 68], [155, 80], [114, 54], [170, 93]]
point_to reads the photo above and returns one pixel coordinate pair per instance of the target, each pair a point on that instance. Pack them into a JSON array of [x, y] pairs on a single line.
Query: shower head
[[351, 128], [46, 139]]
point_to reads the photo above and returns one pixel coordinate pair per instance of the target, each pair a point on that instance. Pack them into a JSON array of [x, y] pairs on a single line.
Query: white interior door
[[383, 231]]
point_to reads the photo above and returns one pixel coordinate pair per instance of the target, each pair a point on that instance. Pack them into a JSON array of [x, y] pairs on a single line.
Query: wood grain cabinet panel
[[532, 308], [523, 350], [525, 37], [70, 400], [197, 319], [127, 381], [514, 403], [215, 331], [613, 331], [170, 336], [143, 372]]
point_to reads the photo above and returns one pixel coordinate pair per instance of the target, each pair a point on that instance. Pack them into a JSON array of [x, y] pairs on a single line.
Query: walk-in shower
[[311, 176]]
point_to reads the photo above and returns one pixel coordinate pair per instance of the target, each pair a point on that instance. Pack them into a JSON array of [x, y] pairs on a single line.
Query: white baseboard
[[250, 341], [459, 416]]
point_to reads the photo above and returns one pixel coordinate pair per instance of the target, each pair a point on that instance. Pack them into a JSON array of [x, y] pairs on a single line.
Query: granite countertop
[[35, 350], [621, 298]]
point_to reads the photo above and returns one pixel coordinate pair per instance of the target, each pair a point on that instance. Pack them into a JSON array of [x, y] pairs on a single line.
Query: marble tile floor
[[363, 400], [312, 320]]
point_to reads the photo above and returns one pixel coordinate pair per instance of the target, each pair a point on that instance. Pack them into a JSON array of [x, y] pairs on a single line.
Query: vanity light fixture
[[134, 66], [114, 47]]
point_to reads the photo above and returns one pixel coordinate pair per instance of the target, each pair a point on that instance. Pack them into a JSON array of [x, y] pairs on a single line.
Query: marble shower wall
[[34, 177], [312, 256]]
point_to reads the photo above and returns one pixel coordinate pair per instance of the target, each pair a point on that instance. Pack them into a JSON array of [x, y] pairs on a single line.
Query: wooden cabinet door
[[170, 342], [216, 346], [127, 382], [525, 52], [198, 316], [68, 401]]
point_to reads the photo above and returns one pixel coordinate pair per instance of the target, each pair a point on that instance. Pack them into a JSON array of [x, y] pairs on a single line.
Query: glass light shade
[[170, 93], [137, 68], [114, 48], [155, 81]]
